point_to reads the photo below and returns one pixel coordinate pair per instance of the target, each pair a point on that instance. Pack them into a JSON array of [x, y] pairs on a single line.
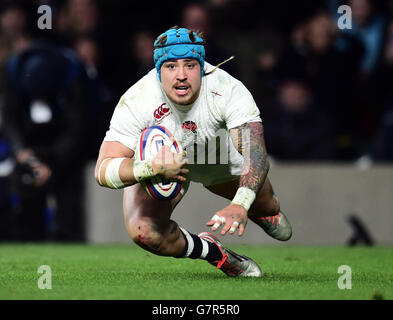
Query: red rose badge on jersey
[[189, 125]]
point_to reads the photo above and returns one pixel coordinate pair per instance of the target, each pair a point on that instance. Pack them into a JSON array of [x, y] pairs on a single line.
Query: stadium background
[[325, 97]]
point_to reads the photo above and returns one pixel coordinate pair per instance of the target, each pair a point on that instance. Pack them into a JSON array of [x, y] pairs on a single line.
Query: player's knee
[[145, 234]]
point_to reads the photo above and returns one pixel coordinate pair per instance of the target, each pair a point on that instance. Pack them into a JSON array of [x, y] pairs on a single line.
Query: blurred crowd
[[325, 94]]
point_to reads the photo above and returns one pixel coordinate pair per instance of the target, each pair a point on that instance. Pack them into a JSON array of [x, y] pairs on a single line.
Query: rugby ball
[[150, 142]]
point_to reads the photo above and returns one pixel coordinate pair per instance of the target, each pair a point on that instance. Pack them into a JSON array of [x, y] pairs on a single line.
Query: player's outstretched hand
[[231, 218], [169, 164]]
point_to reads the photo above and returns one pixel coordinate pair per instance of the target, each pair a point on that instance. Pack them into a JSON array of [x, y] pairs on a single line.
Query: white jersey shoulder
[[229, 98], [144, 93], [134, 111]]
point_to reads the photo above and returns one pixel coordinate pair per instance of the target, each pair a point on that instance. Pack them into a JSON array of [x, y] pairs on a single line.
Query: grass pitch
[[128, 272]]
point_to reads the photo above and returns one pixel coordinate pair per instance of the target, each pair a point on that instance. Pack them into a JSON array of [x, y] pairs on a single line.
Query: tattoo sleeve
[[249, 141]]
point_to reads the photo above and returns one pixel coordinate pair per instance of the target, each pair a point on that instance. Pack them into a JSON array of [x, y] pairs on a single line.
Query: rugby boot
[[278, 226], [233, 264]]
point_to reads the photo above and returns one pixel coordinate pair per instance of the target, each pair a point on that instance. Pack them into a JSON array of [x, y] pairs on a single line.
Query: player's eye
[[170, 66]]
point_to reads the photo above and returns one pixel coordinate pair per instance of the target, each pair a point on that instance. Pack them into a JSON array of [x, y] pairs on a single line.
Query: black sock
[[197, 248]]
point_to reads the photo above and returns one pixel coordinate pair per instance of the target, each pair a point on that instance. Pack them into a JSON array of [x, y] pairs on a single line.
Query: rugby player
[[193, 100]]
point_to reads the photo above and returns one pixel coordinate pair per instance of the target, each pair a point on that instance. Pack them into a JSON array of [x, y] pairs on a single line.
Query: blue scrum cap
[[180, 43]]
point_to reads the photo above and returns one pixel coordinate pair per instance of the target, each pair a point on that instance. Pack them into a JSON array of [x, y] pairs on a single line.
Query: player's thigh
[[140, 209], [264, 201]]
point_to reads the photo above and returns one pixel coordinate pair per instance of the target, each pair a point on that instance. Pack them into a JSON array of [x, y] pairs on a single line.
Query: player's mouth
[[182, 90]]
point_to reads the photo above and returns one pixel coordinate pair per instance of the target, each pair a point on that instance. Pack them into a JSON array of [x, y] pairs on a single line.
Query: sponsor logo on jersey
[[161, 112], [216, 93]]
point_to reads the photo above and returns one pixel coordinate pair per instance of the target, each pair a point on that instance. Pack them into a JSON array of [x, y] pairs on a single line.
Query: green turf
[[128, 272]]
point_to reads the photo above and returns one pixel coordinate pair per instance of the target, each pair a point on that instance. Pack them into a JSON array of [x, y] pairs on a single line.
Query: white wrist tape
[[244, 197], [143, 169], [99, 170], [112, 175]]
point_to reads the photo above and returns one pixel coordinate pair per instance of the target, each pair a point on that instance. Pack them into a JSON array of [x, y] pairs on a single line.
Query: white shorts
[[210, 174]]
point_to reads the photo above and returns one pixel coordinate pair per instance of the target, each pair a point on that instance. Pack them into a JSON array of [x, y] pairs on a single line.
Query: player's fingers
[[241, 229], [218, 223], [184, 171], [180, 178], [212, 220], [226, 228], [165, 155], [234, 226], [215, 219], [180, 159]]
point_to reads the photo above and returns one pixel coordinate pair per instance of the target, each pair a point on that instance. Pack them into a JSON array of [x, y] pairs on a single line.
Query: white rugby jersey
[[223, 103]]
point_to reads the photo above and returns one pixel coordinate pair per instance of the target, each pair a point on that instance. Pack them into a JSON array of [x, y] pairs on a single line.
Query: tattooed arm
[[249, 141]]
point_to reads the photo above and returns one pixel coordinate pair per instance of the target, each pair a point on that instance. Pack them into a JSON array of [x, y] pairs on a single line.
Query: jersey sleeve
[[126, 124], [241, 107]]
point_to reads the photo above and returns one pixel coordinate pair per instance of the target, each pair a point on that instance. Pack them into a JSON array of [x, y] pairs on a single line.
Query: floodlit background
[[325, 95]]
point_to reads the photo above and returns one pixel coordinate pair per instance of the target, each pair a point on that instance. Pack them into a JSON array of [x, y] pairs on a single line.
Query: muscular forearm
[[249, 140], [118, 172], [256, 164]]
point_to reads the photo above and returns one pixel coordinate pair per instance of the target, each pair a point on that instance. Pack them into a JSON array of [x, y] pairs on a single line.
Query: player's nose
[[181, 74]]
